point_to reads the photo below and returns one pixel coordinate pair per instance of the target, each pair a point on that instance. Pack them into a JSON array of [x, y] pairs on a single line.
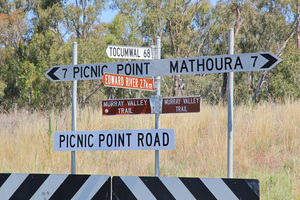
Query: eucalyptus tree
[[139, 22], [82, 15], [125, 30], [178, 23], [12, 29], [271, 29], [259, 26]]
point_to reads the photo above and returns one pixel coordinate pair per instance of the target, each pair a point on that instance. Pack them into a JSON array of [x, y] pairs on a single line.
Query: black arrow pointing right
[[271, 60], [51, 73]]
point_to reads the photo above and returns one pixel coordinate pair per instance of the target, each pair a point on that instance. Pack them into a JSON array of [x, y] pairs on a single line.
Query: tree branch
[[265, 72]]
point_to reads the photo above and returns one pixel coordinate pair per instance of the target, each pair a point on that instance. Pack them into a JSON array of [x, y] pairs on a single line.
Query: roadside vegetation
[[266, 145], [38, 34]]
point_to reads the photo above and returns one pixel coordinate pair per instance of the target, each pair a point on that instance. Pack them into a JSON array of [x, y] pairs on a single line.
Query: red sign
[[126, 107], [128, 82], [181, 104]]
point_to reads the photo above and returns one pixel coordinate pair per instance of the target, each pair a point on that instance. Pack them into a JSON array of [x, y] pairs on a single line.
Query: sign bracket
[[156, 102]]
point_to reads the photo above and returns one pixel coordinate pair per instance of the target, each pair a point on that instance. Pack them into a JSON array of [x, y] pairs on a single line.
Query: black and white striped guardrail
[[134, 187], [54, 186], [84, 187]]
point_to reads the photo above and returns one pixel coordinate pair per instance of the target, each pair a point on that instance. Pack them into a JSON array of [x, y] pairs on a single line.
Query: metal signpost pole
[[74, 105], [157, 115], [230, 109]]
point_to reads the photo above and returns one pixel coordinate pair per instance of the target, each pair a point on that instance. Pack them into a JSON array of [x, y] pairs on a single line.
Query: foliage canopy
[[38, 34]]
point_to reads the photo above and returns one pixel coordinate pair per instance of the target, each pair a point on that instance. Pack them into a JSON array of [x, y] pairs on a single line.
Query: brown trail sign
[[145, 106]]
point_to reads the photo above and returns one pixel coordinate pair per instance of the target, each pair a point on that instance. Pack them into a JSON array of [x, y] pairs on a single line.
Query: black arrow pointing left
[[271, 60], [51, 73]]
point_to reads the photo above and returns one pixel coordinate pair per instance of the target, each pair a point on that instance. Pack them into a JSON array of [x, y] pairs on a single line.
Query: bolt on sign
[[129, 82]]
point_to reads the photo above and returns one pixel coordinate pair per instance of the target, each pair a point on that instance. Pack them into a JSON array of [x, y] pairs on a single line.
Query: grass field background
[[266, 145]]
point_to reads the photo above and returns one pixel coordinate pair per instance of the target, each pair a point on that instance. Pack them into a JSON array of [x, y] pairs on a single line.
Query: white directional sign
[[217, 64], [144, 139], [167, 67], [128, 52], [96, 71]]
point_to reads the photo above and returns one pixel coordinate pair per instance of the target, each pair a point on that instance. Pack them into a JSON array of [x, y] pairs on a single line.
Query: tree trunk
[[259, 84], [264, 72], [175, 85], [224, 86]]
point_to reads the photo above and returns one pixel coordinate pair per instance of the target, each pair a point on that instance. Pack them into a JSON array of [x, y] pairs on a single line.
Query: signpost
[[129, 82], [143, 106], [144, 139], [127, 75], [128, 52], [230, 109], [74, 108], [157, 82], [167, 67]]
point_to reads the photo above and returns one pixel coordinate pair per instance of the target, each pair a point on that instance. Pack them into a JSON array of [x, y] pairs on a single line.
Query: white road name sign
[[167, 67], [129, 52], [144, 139]]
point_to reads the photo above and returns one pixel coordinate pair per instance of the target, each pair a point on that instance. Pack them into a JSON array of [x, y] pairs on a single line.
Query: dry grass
[[266, 145]]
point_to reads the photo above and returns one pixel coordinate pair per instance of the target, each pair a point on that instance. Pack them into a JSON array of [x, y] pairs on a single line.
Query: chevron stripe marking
[[71, 184], [172, 184], [120, 189], [49, 186], [197, 188], [138, 188], [11, 185], [90, 187], [29, 186], [246, 189], [3, 178], [105, 192], [157, 188], [218, 188]]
